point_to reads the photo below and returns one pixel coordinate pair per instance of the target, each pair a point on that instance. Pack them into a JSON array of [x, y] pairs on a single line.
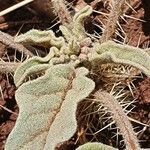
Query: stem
[[9, 41], [8, 67], [114, 15], [120, 118], [62, 12]]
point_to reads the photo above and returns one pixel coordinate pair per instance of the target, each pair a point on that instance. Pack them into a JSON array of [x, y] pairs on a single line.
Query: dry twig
[[14, 7]]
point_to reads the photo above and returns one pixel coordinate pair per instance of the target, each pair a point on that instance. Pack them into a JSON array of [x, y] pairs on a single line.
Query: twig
[[8, 40], [14, 7], [8, 67], [114, 15]]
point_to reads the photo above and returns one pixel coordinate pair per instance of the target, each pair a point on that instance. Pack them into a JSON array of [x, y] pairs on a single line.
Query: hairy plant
[[116, 12], [52, 103], [50, 88], [60, 9], [95, 146], [120, 118]]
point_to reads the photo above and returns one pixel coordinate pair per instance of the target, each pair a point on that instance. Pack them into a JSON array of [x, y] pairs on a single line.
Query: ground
[[137, 33]]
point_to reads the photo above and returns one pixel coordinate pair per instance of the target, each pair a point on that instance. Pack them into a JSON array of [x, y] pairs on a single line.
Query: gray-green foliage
[[125, 54], [47, 108], [48, 103], [70, 45], [95, 146]]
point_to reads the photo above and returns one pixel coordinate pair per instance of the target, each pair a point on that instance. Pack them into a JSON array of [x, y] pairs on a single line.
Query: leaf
[[41, 38], [48, 38], [124, 54], [47, 107], [33, 65], [78, 27], [95, 146]]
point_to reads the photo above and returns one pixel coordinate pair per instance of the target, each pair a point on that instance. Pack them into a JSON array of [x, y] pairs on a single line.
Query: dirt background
[[25, 18]]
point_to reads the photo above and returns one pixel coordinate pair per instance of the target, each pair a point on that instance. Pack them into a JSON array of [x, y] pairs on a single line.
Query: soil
[[137, 34], [7, 100]]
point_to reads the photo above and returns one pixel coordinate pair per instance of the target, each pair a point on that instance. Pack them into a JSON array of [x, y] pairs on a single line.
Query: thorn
[[10, 111], [139, 40], [127, 16], [115, 40], [101, 13], [131, 7], [121, 28], [130, 88], [138, 122], [99, 26], [124, 19], [117, 33], [104, 128], [58, 22], [18, 32]]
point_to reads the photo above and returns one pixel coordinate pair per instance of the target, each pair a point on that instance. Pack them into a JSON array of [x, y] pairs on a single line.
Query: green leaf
[[47, 108]]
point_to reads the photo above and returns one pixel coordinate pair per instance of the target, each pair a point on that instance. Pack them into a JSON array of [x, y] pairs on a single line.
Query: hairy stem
[[62, 12], [120, 118], [114, 15], [9, 41], [8, 67]]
